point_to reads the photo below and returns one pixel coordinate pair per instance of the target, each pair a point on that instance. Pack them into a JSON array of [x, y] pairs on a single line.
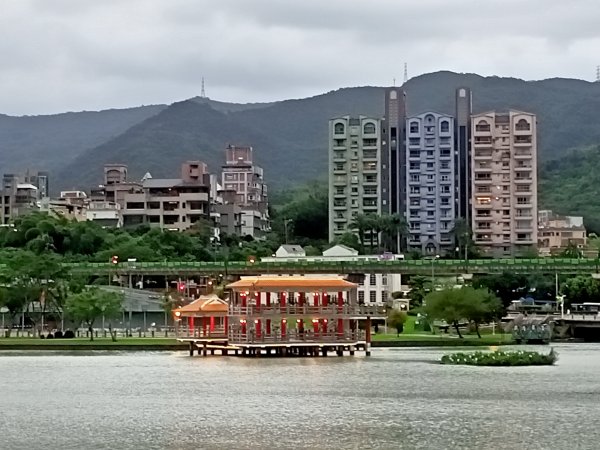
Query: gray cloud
[[60, 55]]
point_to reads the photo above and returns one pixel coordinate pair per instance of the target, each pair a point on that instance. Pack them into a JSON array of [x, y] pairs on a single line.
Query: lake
[[397, 398]]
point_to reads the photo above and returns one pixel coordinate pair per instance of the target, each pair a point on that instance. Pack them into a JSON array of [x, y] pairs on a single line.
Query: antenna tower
[[405, 72], [202, 92]]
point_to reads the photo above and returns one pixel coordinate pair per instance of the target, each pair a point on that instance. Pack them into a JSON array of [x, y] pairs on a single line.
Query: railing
[[365, 266], [306, 310], [296, 336], [199, 332]]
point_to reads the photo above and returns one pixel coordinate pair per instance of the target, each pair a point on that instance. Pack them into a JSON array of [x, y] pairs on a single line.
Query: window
[[384, 280], [339, 128], [523, 125], [372, 279], [361, 297], [482, 125], [430, 213], [445, 178], [445, 126], [414, 127], [444, 165], [430, 165], [372, 296], [369, 128]]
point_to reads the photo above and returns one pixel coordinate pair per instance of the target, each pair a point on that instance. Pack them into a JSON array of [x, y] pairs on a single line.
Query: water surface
[[397, 398]]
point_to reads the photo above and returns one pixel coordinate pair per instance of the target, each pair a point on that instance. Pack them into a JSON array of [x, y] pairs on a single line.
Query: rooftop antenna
[[405, 72], [202, 92], [394, 82], [598, 74]]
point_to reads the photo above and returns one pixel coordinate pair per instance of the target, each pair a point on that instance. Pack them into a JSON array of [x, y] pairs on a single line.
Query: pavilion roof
[[266, 283], [203, 306]]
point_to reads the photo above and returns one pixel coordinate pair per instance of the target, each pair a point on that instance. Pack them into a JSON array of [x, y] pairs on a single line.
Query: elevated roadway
[[439, 267]]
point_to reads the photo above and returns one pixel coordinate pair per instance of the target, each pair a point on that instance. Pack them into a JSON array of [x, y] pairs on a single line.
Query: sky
[[74, 55]]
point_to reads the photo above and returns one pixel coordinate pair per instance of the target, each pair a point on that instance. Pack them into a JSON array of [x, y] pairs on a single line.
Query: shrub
[[58, 334], [69, 334], [50, 336], [499, 358]]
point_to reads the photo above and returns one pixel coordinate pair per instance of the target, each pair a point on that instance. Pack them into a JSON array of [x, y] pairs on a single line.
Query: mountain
[[570, 185], [48, 142], [289, 137]]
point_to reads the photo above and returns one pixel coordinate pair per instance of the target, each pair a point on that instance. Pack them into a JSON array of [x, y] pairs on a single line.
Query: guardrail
[[295, 336], [439, 266]]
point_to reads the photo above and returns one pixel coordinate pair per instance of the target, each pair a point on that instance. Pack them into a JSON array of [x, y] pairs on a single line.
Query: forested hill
[[571, 185], [289, 137]]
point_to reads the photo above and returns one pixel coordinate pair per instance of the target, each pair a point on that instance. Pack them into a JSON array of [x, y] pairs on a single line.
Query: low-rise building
[[374, 289], [172, 203], [556, 233]]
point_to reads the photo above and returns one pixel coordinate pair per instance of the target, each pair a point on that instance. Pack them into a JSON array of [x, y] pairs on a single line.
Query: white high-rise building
[[430, 182]]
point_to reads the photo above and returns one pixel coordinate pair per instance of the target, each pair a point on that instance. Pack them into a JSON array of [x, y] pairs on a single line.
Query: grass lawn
[[486, 338]]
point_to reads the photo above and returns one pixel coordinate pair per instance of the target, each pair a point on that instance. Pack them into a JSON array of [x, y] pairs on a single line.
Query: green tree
[[571, 251], [449, 305], [394, 230], [361, 223], [482, 306], [92, 304], [581, 289], [417, 285], [397, 319]]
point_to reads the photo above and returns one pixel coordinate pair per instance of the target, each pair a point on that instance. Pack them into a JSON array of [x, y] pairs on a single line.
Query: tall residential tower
[[504, 182], [355, 171], [430, 182]]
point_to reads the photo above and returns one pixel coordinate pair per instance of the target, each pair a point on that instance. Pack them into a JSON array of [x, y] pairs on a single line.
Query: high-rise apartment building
[[504, 182], [430, 182], [241, 175], [393, 152], [355, 171], [462, 143]]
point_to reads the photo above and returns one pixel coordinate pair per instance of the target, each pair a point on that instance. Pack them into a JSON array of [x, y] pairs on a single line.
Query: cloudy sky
[[71, 55]]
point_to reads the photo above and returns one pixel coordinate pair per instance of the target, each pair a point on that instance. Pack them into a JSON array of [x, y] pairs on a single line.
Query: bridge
[[439, 267]]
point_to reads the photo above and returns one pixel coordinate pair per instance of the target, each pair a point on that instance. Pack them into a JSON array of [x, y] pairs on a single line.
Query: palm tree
[[395, 229], [360, 223]]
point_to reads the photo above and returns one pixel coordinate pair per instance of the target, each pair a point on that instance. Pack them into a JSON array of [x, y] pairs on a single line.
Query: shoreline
[[32, 344]]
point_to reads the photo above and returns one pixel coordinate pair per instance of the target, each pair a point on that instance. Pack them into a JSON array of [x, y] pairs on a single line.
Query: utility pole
[[285, 226]]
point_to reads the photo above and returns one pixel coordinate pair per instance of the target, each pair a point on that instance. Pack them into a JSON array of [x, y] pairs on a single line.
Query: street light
[[285, 226], [433, 258]]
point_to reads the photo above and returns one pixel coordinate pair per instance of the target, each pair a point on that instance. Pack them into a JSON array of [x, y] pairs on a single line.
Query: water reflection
[[398, 398]]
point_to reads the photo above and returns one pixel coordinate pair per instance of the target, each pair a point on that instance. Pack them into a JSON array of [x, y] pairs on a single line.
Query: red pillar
[[316, 299], [243, 295], [301, 299], [315, 323], [225, 325], [340, 327], [257, 328], [191, 325], [325, 299], [204, 326], [268, 305], [243, 324], [257, 300], [283, 328], [282, 299], [212, 323], [340, 301], [300, 325], [324, 326]]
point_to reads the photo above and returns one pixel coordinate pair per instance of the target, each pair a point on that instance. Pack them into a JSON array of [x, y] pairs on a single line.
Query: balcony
[[522, 141], [340, 182], [482, 156], [522, 155], [340, 220], [522, 180]]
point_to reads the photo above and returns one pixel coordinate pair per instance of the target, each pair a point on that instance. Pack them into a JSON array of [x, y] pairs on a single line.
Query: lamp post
[[285, 227], [433, 258]]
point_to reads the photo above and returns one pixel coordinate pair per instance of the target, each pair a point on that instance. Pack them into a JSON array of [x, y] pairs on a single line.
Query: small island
[[500, 358]]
